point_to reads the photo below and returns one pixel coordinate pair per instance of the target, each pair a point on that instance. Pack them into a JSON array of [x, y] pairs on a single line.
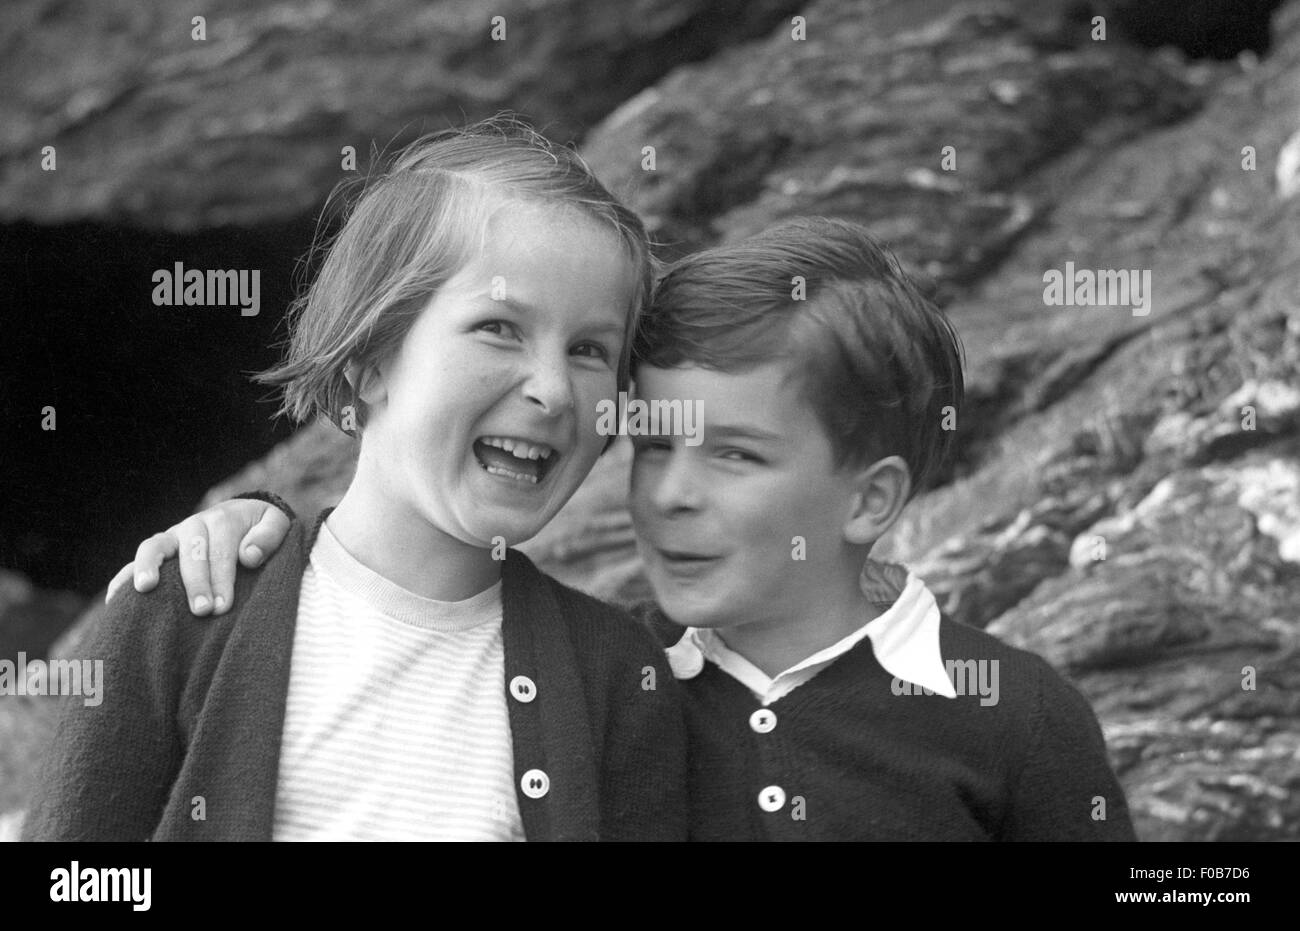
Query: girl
[[395, 670]]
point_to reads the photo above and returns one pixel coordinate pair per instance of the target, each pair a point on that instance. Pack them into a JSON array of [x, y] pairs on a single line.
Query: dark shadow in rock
[[1218, 29], [152, 404]]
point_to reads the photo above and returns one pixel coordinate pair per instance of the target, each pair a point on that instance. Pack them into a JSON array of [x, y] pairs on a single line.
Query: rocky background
[[1126, 497]]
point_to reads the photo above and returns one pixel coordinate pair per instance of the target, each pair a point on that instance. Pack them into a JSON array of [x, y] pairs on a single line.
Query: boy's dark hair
[[877, 361]]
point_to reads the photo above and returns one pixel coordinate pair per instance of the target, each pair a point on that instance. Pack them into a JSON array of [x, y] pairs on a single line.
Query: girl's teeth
[[497, 470], [517, 448]]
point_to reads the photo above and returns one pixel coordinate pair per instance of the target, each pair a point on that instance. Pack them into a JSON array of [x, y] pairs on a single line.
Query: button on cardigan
[[186, 742]]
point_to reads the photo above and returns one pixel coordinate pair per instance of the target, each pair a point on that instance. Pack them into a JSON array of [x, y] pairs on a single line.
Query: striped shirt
[[396, 725]]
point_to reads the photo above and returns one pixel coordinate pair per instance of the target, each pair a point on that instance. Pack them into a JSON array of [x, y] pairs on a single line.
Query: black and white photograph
[[660, 420]]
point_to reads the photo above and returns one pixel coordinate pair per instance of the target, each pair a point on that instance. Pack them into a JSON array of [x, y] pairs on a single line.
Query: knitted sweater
[[854, 754], [186, 743]]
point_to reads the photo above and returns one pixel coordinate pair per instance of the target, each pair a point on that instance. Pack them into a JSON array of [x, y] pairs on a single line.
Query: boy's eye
[[642, 444], [591, 350], [740, 455]]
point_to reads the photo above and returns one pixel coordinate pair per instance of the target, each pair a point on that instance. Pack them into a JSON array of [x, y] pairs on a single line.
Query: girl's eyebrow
[[510, 302], [602, 327]]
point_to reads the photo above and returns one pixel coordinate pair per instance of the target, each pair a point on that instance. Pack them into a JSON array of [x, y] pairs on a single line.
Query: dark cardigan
[[857, 757], [194, 708]]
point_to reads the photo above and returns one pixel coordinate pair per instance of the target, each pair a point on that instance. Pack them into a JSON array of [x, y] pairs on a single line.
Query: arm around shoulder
[[1066, 790]]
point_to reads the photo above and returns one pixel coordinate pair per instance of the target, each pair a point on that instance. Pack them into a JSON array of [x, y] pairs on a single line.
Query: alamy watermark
[[1105, 287], [657, 417], [80, 883], [194, 287], [53, 677], [969, 677]]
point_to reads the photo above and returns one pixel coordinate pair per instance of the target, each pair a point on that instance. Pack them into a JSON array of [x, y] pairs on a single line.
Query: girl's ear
[[367, 383], [882, 489]]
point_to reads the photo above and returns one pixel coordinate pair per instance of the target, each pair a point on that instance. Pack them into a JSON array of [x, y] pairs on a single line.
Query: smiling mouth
[[516, 459], [684, 560]]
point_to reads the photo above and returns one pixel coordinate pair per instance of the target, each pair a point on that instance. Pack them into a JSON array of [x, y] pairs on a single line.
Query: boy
[[826, 701]]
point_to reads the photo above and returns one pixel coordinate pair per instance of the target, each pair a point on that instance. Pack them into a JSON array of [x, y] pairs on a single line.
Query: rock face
[[853, 121], [245, 127], [30, 620], [1126, 500], [25, 726], [1185, 639]]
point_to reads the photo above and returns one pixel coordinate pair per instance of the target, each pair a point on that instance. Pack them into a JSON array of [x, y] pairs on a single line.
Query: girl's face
[[484, 421]]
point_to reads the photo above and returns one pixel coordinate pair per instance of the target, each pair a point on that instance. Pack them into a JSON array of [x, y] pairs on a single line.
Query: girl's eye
[[740, 455], [499, 328]]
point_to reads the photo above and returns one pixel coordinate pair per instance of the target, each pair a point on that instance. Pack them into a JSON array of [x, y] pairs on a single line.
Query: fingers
[[227, 528], [265, 537], [223, 546], [192, 537], [209, 547], [149, 555], [123, 576]]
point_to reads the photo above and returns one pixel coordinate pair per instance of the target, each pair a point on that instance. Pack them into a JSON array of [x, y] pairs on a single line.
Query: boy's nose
[[678, 487], [549, 385]]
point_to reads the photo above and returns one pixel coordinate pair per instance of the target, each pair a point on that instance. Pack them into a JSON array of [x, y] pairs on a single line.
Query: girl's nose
[[549, 384]]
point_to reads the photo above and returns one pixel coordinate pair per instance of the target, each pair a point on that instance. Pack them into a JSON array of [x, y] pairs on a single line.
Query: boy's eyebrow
[[743, 430], [607, 327]]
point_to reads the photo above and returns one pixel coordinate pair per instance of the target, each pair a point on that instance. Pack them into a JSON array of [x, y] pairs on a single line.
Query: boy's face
[[716, 522], [515, 350]]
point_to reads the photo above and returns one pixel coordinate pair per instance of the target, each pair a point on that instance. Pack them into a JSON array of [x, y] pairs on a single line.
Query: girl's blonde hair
[[417, 222]]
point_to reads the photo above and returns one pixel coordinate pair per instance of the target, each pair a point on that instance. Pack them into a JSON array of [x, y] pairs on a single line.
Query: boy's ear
[[882, 490]]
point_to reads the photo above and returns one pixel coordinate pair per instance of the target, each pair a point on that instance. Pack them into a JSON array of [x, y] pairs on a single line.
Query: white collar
[[904, 639]]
